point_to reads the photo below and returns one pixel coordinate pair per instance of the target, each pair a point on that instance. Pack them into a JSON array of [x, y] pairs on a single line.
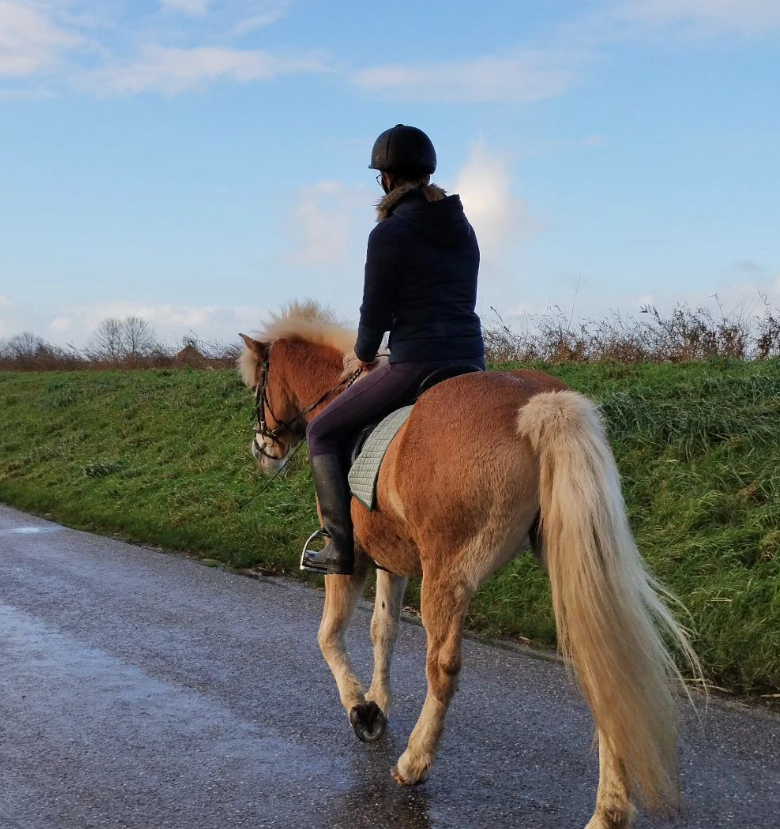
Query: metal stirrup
[[315, 534]]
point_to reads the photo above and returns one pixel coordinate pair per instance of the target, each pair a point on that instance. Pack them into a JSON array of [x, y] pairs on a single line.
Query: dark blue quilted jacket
[[421, 282]]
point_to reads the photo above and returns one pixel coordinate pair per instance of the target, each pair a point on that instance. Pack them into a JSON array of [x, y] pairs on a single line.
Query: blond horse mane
[[303, 320]]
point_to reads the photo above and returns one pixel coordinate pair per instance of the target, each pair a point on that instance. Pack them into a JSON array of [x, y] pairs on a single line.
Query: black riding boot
[[338, 556]]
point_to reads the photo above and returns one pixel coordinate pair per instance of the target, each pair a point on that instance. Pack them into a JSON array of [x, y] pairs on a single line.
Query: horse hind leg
[[390, 591], [342, 594], [444, 602], [613, 804]]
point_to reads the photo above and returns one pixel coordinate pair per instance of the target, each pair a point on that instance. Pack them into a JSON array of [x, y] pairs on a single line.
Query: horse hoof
[[368, 721], [402, 780]]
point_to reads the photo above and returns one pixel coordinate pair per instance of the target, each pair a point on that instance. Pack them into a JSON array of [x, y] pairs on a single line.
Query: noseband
[[262, 404]]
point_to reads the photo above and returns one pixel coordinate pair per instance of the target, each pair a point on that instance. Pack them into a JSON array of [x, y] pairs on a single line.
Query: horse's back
[[544, 381], [483, 402], [457, 461]]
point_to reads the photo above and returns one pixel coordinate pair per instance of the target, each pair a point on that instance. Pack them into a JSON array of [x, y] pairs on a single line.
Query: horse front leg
[[342, 594], [444, 602], [613, 804], [390, 591]]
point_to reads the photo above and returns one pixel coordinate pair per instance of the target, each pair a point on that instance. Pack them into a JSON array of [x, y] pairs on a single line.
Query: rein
[[262, 403], [242, 504]]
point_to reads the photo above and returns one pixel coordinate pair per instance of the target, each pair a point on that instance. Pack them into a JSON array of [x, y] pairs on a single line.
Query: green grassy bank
[[161, 456]]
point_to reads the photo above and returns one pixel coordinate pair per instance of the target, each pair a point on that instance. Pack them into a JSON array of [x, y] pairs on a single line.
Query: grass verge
[[161, 457]]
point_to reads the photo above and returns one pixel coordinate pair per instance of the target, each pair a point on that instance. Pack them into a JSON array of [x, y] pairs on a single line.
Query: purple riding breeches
[[384, 390]]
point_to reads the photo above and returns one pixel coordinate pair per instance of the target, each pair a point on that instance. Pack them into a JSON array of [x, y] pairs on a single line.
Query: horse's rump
[[455, 474]]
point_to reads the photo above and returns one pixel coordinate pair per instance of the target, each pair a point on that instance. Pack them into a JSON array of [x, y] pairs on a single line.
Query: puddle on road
[[32, 530]]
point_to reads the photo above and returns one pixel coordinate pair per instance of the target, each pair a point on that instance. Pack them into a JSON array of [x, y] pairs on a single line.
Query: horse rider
[[421, 286]]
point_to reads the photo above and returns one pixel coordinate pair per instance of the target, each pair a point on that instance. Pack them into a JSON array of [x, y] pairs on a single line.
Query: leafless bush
[[129, 341], [768, 336], [213, 351], [685, 334], [29, 352]]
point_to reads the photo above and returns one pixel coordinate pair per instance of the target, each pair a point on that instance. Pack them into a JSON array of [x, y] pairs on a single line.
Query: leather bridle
[[262, 404]]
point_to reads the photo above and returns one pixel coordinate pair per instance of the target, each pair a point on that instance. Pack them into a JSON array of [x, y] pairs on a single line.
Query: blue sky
[[198, 162]]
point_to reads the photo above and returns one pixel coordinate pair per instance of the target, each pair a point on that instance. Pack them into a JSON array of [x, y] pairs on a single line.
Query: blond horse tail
[[611, 621]]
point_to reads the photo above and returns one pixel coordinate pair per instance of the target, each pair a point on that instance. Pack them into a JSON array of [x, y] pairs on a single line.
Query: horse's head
[[278, 428], [295, 367]]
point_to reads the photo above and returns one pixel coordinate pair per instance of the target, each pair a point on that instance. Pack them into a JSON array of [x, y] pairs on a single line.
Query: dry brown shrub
[[683, 335]]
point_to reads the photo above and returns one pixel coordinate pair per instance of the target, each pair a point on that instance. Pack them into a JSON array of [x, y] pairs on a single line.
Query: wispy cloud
[[174, 70], [24, 93], [76, 324], [523, 76], [193, 7], [30, 43], [48, 45], [702, 17], [748, 267], [528, 74], [52, 45], [166, 315], [249, 14], [672, 20], [267, 13]]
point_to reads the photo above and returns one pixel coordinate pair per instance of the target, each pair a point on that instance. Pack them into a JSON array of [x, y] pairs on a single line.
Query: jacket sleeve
[[376, 312]]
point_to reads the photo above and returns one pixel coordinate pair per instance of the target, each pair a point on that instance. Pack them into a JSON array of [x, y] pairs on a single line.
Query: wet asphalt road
[[139, 689]]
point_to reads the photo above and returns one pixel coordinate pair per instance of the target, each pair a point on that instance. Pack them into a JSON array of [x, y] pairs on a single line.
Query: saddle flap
[[365, 469], [371, 443]]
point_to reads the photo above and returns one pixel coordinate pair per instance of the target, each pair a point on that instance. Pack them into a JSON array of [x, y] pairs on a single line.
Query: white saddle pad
[[365, 470]]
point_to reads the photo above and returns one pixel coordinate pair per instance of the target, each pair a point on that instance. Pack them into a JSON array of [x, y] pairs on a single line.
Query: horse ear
[[257, 348]]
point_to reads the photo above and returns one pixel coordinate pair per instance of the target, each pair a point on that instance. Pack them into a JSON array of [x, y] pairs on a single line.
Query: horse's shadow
[[374, 800]]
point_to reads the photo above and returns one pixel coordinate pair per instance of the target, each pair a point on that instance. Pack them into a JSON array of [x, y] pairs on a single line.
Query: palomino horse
[[481, 458]]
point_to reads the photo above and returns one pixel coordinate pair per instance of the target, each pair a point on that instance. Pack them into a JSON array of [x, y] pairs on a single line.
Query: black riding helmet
[[403, 149]]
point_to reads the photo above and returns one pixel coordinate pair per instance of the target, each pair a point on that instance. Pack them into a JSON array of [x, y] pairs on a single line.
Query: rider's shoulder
[[384, 231]]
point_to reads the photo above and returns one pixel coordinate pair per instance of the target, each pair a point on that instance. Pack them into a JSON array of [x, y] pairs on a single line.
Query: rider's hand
[[362, 364]]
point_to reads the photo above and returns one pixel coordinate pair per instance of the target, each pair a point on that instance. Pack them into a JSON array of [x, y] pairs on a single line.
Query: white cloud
[[248, 314], [52, 45], [30, 43], [5, 301], [174, 70], [76, 324], [193, 7], [525, 76], [25, 94], [251, 14], [60, 324], [703, 17], [499, 218], [272, 11], [670, 20], [166, 315], [324, 223]]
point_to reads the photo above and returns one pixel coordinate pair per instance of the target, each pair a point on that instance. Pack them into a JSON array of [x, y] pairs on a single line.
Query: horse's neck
[[310, 372]]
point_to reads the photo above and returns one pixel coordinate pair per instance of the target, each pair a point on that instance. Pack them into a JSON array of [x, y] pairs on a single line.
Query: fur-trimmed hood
[[386, 205], [428, 211]]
